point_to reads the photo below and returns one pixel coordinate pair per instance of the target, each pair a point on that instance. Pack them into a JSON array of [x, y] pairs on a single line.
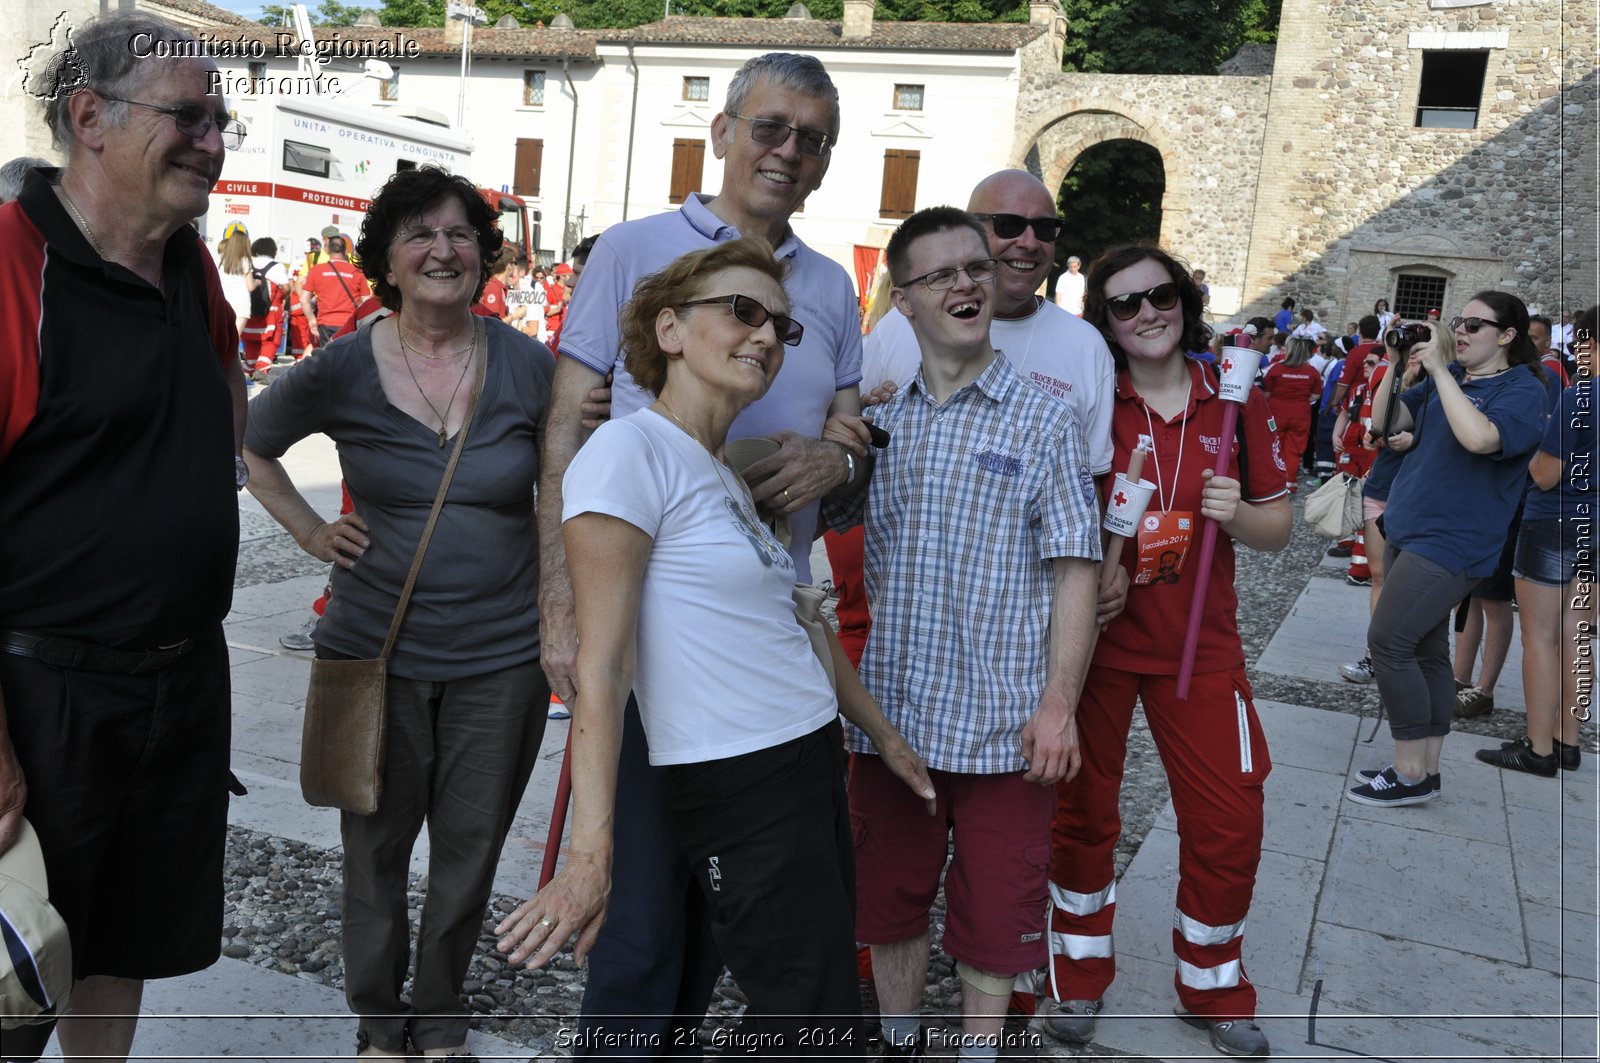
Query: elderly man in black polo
[[121, 414]]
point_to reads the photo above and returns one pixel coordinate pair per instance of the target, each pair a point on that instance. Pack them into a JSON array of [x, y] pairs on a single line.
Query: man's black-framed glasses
[[752, 313], [193, 120], [1010, 226], [940, 280], [771, 133]]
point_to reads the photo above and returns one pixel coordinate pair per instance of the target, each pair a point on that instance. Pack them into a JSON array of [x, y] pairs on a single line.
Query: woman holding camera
[[1468, 429], [1557, 615]]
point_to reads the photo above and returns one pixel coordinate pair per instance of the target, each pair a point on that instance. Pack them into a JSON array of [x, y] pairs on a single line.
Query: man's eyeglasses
[[194, 121], [1010, 226], [1161, 297], [940, 280], [418, 239], [752, 313], [771, 133], [1473, 324]]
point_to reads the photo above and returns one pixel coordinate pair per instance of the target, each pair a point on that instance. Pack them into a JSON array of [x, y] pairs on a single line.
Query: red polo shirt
[[1147, 636]]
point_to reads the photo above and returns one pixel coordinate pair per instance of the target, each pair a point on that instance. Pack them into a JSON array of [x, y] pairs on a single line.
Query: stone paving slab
[[1326, 627]]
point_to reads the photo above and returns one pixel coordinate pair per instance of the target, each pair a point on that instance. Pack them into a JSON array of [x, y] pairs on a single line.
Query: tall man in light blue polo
[[651, 972]]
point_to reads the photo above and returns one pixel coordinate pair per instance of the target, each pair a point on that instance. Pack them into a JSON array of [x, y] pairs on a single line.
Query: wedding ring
[[786, 497], [546, 923]]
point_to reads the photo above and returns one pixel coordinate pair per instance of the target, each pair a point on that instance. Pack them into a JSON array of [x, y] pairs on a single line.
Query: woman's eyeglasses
[[771, 133], [1473, 324], [1161, 297], [418, 239], [194, 121], [940, 280], [1010, 226], [752, 313]]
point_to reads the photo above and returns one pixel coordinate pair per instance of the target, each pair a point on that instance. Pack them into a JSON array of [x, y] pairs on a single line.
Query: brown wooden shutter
[[899, 197], [525, 170], [688, 166]]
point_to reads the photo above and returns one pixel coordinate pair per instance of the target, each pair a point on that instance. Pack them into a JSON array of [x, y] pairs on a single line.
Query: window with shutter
[[899, 198], [525, 169], [688, 163]]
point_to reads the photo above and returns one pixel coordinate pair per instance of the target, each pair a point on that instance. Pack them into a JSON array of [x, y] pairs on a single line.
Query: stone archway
[[1208, 131]]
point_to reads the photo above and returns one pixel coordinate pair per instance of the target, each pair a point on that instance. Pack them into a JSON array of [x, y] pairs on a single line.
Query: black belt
[[87, 657]]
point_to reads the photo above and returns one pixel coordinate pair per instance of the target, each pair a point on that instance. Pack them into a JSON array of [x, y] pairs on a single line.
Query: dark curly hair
[[406, 197], [683, 279], [1196, 333]]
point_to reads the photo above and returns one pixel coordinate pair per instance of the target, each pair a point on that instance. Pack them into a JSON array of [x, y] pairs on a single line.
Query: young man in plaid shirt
[[981, 561]]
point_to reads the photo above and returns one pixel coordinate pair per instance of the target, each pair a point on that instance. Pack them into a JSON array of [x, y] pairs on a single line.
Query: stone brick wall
[[1351, 192], [1307, 176], [1208, 130]]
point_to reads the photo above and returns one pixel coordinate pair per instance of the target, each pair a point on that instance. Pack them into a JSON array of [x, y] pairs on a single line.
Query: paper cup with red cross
[[1126, 505], [1236, 372]]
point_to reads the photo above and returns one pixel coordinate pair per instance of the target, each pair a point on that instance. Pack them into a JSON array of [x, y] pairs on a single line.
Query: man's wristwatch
[[241, 473]]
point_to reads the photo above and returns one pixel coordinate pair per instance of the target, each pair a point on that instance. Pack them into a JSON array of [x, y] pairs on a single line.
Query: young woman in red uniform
[[1211, 744], [1292, 385]]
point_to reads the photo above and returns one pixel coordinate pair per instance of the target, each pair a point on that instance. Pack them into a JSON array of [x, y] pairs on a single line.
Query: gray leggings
[[1409, 640]]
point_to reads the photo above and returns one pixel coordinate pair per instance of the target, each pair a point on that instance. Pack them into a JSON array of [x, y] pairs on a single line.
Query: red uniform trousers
[[300, 342], [261, 337], [1294, 426], [1216, 760]]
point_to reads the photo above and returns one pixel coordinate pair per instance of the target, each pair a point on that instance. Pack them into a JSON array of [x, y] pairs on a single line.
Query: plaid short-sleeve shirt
[[967, 505]]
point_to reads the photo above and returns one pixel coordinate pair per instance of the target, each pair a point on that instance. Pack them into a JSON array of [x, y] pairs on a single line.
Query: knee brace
[[996, 985]]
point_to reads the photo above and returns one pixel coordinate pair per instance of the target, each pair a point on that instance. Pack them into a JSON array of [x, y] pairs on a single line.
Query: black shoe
[[1340, 550], [1433, 780], [1522, 758], [914, 1050], [1571, 756], [1385, 788]]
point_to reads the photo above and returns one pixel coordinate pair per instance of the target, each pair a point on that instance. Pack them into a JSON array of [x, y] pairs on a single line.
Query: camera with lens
[[1405, 337]]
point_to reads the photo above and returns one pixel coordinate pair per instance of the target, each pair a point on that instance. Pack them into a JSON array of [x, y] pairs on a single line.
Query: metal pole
[[461, 94]]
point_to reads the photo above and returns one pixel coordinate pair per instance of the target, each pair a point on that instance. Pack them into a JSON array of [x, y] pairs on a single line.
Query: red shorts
[[996, 892]]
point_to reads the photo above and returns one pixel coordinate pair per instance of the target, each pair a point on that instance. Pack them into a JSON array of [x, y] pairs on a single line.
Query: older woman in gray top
[[467, 699]]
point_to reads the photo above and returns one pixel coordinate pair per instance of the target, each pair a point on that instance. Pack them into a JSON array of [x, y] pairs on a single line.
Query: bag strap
[[334, 268], [444, 487]]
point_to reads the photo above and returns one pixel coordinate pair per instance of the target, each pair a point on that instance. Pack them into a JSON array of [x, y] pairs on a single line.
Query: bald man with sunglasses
[[1053, 350]]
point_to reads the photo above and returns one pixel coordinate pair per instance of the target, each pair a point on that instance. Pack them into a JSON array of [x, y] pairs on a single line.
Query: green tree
[[1162, 36], [1111, 196], [330, 13]]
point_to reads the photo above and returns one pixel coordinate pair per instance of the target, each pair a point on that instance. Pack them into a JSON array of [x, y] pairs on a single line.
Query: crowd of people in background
[[723, 817]]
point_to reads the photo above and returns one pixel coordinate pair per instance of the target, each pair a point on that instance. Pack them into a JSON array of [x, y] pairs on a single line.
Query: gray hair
[[13, 173], [1074, 258], [113, 54], [803, 73]]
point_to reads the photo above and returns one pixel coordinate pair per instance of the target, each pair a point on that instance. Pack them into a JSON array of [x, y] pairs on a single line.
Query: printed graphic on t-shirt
[[767, 547]]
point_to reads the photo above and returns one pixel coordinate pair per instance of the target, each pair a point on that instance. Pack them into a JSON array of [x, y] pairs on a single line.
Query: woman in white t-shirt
[[683, 597]]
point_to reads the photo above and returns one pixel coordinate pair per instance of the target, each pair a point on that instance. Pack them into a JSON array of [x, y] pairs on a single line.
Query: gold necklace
[[465, 365], [161, 273], [692, 433], [433, 357]]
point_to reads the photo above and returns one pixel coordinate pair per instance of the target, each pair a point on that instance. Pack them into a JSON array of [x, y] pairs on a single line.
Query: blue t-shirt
[[1331, 381], [1283, 319], [1570, 436], [1453, 506]]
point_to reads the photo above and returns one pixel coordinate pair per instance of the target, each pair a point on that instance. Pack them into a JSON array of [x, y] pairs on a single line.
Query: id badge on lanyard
[[1164, 540]]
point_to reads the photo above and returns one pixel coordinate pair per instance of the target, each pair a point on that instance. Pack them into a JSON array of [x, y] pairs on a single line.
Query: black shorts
[[1500, 587], [128, 789]]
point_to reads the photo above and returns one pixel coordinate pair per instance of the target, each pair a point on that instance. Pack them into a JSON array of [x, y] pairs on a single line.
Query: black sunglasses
[[752, 313], [771, 133], [1473, 324], [194, 121], [1162, 297], [1010, 226]]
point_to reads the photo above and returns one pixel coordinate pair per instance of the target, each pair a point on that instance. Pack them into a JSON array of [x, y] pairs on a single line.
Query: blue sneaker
[[559, 711]]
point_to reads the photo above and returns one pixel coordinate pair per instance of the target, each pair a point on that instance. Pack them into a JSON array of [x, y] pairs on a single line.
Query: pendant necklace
[[465, 365]]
